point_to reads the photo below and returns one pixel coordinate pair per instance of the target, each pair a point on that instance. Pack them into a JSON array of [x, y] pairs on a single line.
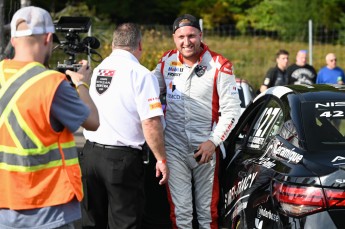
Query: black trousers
[[113, 184]]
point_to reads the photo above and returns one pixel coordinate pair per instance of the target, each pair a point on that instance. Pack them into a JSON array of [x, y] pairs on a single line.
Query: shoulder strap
[[9, 89]]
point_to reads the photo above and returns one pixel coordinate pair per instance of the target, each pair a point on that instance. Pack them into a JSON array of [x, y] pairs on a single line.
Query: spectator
[[276, 76], [330, 73], [127, 97], [203, 106], [301, 72], [40, 174]]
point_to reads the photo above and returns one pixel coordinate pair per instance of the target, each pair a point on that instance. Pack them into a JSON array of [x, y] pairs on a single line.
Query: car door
[[243, 178]]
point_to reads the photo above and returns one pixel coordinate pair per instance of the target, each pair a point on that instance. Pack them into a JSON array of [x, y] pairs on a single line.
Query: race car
[[245, 92], [285, 161]]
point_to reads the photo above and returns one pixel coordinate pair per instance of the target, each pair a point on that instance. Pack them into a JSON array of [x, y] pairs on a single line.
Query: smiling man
[[203, 107]]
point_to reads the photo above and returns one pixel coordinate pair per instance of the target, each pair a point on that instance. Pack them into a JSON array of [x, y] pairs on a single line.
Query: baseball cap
[[185, 20], [37, 19]]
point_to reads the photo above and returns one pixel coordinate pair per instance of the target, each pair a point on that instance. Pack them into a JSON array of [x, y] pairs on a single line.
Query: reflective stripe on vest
[[30, 154]]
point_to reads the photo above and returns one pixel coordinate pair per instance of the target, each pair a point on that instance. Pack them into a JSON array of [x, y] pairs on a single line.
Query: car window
[[241, 95], [289, 133], [266, 126], [324, 125]]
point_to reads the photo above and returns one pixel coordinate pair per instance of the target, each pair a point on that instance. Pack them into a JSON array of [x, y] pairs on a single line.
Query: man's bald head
[[331, 60]]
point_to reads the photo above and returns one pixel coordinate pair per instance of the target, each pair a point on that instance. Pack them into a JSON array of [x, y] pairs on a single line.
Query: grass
[[251, 56]]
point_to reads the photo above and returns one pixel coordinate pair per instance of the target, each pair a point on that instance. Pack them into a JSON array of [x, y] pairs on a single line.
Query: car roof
[[315, 92]]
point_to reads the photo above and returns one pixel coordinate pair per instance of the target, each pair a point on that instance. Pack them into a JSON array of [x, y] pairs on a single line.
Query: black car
[[285, 161]]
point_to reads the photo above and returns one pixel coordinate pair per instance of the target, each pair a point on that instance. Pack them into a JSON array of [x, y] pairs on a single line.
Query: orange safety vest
[[38, 166]]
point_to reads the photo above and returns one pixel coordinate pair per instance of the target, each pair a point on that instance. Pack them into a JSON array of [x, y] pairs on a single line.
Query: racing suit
[[202, 104]]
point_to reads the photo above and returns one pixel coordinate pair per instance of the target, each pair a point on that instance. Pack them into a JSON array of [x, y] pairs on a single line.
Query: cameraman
[[39, 169]]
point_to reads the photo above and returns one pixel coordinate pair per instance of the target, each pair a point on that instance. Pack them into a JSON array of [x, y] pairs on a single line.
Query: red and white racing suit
[[202, 104]]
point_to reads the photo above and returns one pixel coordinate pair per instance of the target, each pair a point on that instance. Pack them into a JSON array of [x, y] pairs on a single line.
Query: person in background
[[330, 73], [301, 72], [127, 97], [276, 76], [40, 175], [203, 107]]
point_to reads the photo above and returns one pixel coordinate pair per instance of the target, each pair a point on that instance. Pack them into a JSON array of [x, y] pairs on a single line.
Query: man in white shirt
[[127, 96]]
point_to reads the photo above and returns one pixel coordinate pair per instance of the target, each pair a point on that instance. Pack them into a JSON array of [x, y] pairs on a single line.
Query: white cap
[[38, 20]]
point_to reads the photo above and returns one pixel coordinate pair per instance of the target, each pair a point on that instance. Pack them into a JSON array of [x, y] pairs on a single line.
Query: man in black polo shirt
[[277, 75]]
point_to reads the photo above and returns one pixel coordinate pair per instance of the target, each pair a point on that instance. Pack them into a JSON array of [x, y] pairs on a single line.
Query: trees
[[290, 18]]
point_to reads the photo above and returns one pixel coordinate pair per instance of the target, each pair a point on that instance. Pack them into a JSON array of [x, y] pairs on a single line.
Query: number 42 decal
[[329, 114]]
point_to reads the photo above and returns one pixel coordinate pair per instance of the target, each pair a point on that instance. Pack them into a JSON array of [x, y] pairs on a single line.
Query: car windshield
[[324, 125]]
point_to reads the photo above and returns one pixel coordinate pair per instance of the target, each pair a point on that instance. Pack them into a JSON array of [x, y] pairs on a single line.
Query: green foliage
[[259, 17], [289, 18]]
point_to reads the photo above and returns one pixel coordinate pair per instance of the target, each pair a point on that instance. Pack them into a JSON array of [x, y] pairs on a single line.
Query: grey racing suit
[[202, 104]]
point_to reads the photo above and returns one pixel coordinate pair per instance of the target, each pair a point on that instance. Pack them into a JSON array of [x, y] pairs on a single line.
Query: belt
[[95, 144]]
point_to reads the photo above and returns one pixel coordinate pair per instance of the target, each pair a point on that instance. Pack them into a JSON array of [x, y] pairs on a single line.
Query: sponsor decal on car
[[327, 109], [337, 159], [261, 128], [278, 150], [340, 181], [239, 208], [329, 104], [255, 142], [267, 214], [258, 223], [266, 162], [241, 186]]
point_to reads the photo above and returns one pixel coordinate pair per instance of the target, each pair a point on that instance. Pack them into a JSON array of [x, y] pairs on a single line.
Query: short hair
[[282, 52], [127, 35]]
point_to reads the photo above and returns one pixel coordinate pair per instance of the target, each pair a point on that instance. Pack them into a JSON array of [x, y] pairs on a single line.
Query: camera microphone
[[92, 42]]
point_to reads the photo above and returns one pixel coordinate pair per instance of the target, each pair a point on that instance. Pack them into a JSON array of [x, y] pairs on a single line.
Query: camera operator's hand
[[84, 73], [81, 80]]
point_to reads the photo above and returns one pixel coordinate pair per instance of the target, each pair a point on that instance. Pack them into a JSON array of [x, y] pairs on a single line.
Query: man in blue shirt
[[330, 74]]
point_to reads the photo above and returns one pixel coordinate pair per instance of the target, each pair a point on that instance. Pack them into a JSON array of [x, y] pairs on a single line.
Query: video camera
[[73, 44]]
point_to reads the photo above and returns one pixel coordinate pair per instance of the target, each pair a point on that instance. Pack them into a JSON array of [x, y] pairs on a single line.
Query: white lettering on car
[[338, 158], [241, 186], [288, 154], [267, 214], [329, 114], [330, 104]]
